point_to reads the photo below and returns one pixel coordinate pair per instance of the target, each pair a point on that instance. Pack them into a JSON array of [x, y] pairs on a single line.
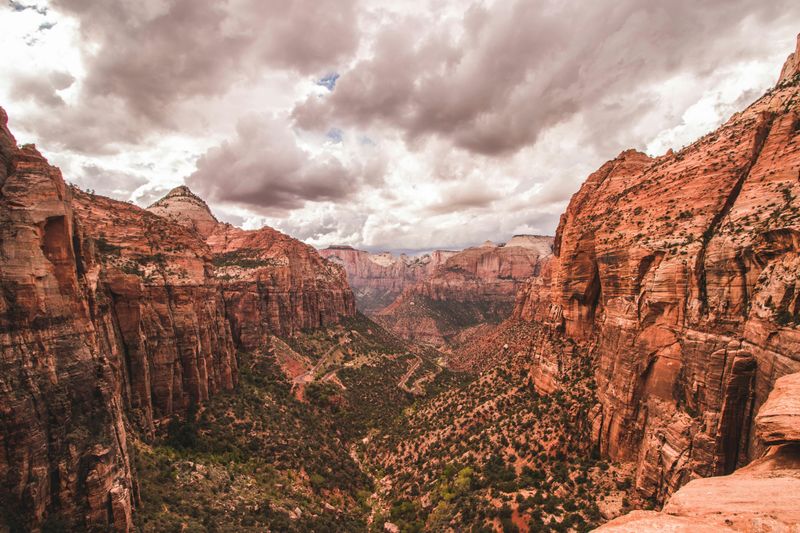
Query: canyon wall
[[112, 319], [271, 283], [762, 496], [681, 274], [378, 279], [471, 287]]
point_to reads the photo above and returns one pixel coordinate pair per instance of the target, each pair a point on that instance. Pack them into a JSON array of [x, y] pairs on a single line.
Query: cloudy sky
[[384, 124]]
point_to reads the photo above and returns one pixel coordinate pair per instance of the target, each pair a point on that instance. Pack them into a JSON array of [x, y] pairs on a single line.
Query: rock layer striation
[[471, 287]]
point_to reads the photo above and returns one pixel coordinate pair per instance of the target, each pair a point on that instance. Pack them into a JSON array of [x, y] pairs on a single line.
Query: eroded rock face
[[682, 273], [187, 209], [761, 497], [778, 421], [63, 449], [475, 285], [154, 297], [274, 284], [792, 66], [378, 279]]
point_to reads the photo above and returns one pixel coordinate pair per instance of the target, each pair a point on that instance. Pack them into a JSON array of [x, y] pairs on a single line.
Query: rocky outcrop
[[112, 319], [187, 209], [681, 274], [760, 497], [473, 286], [792, 66], [270, 282], [778, 421], [378, 279]]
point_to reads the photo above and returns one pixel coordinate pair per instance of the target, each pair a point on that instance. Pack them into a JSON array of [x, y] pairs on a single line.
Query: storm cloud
[[263, 167], [388, 124], [518, 67]]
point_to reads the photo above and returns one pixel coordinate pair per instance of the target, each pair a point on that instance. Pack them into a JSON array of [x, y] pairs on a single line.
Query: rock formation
[[187, 209], [378, 279], [271, 283], [762, 496], [681, 274], [113, 318], [473, 286]]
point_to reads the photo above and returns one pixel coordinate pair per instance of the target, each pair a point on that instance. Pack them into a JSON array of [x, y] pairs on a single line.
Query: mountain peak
[[792, 66], [186, 208]]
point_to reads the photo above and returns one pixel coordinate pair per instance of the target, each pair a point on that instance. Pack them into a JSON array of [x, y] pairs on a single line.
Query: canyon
[[377, 279], [438, 297], [160, 369], [680, 273]]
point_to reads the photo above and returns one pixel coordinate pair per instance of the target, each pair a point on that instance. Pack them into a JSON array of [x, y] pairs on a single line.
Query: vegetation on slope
[[496, 455]]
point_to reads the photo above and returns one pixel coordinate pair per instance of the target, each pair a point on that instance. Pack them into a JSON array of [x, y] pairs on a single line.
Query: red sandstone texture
[[473, 286], [378, 279], [113, 317], [761, 497], [681, 274]]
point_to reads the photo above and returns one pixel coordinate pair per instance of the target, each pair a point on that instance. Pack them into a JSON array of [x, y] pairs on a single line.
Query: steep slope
[[474, 286], [276, 454], [510, 450], [681, 274], [378, 279], [108, 314]]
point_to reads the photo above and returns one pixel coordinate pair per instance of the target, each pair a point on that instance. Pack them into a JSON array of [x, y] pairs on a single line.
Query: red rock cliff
[[271, 283], [682, 273], [113, 318]]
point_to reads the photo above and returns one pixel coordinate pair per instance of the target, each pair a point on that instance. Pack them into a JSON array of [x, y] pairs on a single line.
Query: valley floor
[[350, 429]]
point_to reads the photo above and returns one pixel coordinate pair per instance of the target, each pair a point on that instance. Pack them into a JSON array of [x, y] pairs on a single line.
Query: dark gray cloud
[[264, 168], [520, 67]]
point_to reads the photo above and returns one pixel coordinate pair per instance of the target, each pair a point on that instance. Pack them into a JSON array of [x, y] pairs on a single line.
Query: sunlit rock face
[[270, 282], [761, 496], [681, 273], [114, 318]]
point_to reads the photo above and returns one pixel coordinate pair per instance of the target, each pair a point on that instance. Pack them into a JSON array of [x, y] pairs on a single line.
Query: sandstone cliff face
[[185, 208], [378, 279], [472, 286], [681, 272], [112, 319], [761, 497], [62, 432], [271, 283]]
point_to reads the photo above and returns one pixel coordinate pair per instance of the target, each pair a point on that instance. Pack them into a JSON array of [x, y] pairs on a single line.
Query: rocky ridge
[[377, 279], [271, 283]]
